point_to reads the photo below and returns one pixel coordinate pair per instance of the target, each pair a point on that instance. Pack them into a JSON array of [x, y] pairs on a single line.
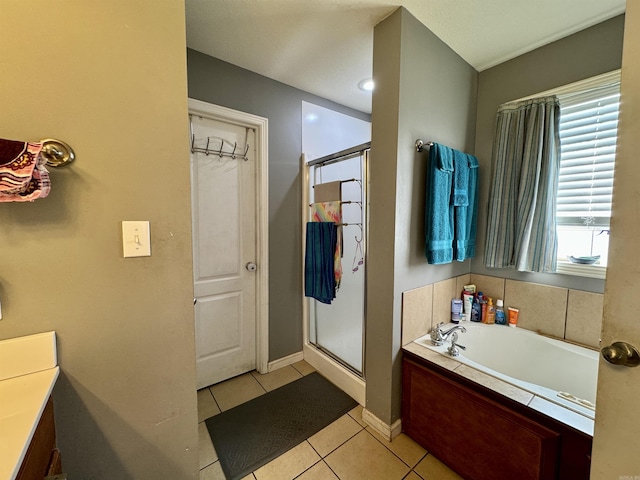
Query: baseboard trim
[[284, 361], [386, 431]]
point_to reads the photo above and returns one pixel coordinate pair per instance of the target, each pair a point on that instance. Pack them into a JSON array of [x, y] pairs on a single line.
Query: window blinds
[[588, 130]]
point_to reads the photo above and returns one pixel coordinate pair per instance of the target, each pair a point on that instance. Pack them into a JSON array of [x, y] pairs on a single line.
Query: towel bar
[[420, 145]]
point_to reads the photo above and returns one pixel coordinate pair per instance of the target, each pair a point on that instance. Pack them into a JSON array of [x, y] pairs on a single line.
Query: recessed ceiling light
[[366, 85]]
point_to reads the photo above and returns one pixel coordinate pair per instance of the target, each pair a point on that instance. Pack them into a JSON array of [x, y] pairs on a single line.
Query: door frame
[[260, 126]]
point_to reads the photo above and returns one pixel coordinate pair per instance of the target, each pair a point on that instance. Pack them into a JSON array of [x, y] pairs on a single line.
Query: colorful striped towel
[[23, 176]]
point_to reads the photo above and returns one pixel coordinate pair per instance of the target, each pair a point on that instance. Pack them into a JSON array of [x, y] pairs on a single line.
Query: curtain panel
[[521, 227]]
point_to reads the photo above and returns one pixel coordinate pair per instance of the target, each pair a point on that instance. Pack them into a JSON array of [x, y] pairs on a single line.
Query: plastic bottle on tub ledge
[[501, 319], [490, 317], [476, 307], [456, 310]]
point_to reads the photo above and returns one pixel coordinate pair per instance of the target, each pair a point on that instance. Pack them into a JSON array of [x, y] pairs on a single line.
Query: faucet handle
[[453, 349]]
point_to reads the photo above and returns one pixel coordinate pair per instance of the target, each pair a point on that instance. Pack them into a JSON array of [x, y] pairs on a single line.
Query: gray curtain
[[521, 228]]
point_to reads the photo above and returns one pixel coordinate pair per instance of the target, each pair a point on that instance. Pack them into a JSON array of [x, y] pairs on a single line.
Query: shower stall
[[334, 333]]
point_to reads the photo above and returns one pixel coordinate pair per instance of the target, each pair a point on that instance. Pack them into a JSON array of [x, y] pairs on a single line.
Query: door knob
[[621, 353], [252, 267]]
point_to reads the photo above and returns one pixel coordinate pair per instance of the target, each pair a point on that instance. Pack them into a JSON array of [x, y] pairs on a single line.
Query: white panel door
[[224, 248]]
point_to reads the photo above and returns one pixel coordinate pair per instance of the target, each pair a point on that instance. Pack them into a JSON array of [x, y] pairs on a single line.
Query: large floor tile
[[290, 464], [334, 435], [303, 367], [404, 447], [207, 406], [356, 414], [212, 472], [364, 458], [277, 378], [433, 469], [320, 471], [206, 451], [238, 390]]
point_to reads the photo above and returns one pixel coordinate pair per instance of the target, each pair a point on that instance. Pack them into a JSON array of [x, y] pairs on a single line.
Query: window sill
[[592, 271]]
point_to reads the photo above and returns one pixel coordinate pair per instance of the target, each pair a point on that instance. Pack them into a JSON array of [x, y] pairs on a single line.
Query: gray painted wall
[[214, 81], [423, 90], [585, 54]]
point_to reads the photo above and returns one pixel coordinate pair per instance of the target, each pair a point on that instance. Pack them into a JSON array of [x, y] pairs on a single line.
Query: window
[[588, 130]]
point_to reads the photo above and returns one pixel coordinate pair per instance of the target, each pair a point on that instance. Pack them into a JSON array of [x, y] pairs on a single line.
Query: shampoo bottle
[[500, 317], [491, 312]]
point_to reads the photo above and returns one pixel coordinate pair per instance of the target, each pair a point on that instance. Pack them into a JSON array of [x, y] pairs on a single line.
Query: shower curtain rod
[[339, 156]]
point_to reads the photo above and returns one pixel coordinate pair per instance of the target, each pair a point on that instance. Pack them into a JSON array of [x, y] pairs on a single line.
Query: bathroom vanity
[[484, 429], [28, 372]]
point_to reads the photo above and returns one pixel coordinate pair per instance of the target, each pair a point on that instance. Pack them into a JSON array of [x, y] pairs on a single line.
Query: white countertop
[[28, 372]]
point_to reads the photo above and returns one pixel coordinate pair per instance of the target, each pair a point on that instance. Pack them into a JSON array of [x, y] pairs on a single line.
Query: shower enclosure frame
[[325, 362]]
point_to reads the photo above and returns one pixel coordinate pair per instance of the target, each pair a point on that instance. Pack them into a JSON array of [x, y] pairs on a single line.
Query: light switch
[[136, 241]]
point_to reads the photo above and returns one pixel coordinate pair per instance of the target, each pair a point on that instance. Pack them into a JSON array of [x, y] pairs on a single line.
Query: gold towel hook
[[56, 152]]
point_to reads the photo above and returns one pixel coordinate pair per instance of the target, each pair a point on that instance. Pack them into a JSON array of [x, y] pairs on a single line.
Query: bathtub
[[557, 371]]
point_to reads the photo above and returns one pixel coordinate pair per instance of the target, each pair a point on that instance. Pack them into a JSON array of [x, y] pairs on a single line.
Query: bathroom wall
[[110, 81], [590, 52], [573, 315], [423, 90], [214, 81]]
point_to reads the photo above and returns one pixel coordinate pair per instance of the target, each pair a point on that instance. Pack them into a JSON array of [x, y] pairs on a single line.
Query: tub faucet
[[438, 336]]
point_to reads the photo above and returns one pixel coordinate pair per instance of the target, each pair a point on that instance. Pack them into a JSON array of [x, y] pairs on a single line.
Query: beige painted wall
[[615, 447], [110, 79]]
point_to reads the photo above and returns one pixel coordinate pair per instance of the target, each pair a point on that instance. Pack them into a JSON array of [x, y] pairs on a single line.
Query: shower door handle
[[621, 353]]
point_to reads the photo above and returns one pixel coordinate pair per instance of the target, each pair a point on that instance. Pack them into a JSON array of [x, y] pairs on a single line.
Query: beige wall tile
[[461, 281], [490, 286], [542, 307], [416, 313], [443, 293], [584, 317]]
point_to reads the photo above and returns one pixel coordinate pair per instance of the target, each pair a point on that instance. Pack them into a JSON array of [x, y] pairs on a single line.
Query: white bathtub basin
[[560, 372]]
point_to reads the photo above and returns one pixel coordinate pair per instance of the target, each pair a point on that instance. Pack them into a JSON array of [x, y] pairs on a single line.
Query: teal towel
[[466, 215], [460, 197], [438, 208], [319, 278]]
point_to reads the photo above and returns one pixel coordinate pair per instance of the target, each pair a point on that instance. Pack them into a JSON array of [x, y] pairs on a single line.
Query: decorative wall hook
[[56, 152]]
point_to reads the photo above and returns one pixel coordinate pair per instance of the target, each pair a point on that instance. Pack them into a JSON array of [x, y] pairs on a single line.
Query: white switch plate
[[136, 241]]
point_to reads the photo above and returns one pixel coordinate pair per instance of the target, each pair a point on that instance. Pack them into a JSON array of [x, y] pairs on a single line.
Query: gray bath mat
[[254, 433]]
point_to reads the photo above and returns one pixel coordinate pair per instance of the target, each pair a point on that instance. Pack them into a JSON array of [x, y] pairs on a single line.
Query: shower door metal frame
[[357, 151]]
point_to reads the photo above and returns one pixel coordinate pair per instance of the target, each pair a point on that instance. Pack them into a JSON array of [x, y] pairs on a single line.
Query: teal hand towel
[[438, 208], [466, 215], [460, 197], [319, 278]]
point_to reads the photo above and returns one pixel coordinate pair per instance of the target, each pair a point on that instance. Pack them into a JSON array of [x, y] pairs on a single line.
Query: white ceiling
[[325, 47]]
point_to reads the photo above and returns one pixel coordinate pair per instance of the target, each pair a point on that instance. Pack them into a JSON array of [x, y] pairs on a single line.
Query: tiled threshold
[[345, 450]]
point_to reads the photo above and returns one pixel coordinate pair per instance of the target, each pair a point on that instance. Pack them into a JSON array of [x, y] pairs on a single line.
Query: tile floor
[[346, 450]]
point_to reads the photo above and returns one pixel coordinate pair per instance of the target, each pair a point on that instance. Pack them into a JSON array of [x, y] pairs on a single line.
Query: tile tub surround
[[573, 315]]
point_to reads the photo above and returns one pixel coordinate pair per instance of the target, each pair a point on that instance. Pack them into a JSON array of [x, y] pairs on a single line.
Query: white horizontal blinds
[[588, 130]]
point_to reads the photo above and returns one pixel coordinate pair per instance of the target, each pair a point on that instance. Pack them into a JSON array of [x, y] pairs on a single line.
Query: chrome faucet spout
[[438, 336], [453, 329]]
